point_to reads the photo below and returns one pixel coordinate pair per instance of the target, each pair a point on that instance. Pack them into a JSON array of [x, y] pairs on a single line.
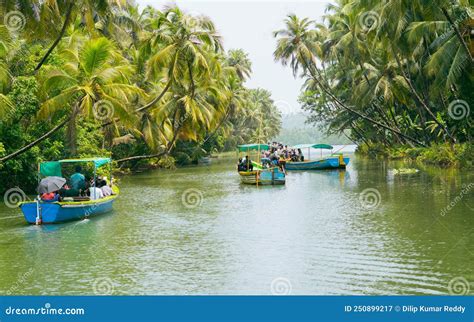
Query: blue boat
[[57, 212], [260, 175], [74, 208], [333, 161]]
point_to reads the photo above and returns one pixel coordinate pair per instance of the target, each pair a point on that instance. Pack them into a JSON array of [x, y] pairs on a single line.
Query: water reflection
[[316, 232]]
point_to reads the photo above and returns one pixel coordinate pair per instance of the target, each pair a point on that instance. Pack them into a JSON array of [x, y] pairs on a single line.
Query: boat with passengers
[[62, 209], [330, 161], [254, 172]]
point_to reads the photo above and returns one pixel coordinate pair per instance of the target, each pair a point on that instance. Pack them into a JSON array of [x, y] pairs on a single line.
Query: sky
[[249, 25]]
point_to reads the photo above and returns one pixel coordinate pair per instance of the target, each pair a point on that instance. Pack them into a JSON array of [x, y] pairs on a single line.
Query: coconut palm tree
[[181, 42], [296, 45], [239, 60], [5, 75], [49, 20], [94, 83]]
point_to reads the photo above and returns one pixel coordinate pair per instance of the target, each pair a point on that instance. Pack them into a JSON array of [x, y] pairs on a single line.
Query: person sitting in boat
[[247, 163], [50, 196], [266, 162], [300, 155], [66, 191], [95, 193], [273, 159], [282, 163], [293, 155], [106, 190], [78, 180], [241, 166]]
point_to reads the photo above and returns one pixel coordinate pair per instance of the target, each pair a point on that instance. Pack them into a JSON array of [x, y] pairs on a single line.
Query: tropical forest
[[237, 148], [397, 75], [88, 78], [156, 87]]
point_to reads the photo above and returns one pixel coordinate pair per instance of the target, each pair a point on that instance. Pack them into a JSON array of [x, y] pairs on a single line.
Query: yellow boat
[[255, 173]]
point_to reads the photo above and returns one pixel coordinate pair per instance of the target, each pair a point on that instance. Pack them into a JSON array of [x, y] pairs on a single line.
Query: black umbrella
[[50, 184]]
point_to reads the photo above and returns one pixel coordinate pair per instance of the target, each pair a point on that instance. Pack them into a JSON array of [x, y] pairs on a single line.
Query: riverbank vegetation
[[89, 78], [396, 75]]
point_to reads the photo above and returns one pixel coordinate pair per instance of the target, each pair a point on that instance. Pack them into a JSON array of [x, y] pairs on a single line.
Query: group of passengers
[[276, 156], [280, 153], [245, 164], [78, 187]]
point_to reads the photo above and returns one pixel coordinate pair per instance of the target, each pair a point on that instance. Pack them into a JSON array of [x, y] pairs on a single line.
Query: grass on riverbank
[[444, 155]]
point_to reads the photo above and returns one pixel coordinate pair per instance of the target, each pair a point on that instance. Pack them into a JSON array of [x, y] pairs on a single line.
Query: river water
[[197, 230]]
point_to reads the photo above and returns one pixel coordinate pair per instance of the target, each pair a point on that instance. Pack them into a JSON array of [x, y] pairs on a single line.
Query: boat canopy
[[53, 168], [249, 147], [314, 146]]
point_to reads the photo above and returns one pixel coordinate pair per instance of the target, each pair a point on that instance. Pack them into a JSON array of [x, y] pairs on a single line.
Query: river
[[197, 230]]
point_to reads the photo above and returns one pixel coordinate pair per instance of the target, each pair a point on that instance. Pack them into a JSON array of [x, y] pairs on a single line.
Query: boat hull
[[344, 163], [58, 212], [263, 177], [323, 164]]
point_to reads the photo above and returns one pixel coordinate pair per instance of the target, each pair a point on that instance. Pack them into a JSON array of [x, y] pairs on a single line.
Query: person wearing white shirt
[[95, 193], [106, 190]]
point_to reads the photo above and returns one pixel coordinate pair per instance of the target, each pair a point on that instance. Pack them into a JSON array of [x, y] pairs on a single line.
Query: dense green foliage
[[394, 73], [90, 78]]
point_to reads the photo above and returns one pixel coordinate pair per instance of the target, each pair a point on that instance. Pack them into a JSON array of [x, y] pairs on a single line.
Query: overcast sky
[[249, 25]]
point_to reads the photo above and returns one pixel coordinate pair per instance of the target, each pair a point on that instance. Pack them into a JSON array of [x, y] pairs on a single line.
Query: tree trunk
[[72, 134], [218, 127], [35, 142], [141, 157], [360, 136], [419, 98], [458, 32], [157, 155], [156, 99], [58, 39]]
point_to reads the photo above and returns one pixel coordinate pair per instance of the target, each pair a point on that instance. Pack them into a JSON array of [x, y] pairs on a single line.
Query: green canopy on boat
[[314, 146], [50, 169], [53, 168], [250, 147]]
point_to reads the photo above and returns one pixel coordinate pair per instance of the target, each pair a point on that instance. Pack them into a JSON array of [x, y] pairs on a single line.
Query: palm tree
[[5, 75], [296, 45], [237, 67], [182, 42], [239, 60], [49, 20], [396, 19], [93, 78]]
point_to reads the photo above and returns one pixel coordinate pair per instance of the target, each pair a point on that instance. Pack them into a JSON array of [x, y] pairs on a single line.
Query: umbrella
[[50, 184]]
